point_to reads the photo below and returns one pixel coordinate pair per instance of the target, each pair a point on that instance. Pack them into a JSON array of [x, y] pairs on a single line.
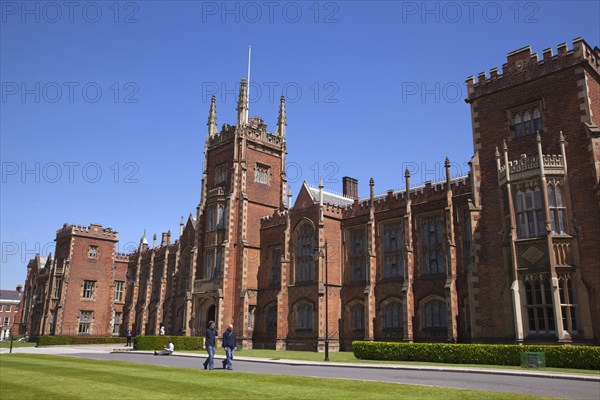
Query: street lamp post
[[319, 253]]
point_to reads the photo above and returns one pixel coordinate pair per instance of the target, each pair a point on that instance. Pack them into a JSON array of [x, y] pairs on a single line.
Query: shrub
[[158, 342], [65, 340], [579, 357]]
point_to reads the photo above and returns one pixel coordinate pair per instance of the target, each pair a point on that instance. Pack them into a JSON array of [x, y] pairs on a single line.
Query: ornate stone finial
[[504, 146], [212, 117], [447, 166], [372, 188], [406, 173], [143, 239], [538, 138], [321, 183], [154, 240], [497, 152], [561, 138], [181, 226], [282, 119], [242, 107]]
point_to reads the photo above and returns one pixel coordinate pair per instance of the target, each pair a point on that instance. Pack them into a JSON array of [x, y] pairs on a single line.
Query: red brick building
[[10, 312], [508, 253], [81, 290]]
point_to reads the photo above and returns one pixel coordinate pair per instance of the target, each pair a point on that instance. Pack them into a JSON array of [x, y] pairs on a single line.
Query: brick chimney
[[350, 187]]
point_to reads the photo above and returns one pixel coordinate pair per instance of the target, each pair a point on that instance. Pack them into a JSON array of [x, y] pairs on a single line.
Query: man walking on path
[[229, 343], [210, 336]]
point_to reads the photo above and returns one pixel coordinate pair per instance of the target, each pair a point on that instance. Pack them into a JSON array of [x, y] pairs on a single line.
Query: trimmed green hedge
[[578, 357], [65, 340], [159, 342]]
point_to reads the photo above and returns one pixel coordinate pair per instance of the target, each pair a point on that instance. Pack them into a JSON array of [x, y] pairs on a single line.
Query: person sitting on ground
[[168, 350]]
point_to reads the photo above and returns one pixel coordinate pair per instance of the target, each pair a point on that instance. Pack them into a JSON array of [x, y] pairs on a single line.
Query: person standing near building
[[210, 336], [128, 338], [229, 344]]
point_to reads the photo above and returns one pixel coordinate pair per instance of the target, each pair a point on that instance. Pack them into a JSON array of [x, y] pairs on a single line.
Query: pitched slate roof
[[10, 295], [330, 198]]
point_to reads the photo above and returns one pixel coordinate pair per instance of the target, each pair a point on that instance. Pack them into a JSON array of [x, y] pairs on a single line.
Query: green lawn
[[348, 357], [29, 376]]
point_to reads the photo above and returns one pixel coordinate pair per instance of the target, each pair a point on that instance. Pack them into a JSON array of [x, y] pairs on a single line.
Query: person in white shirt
[[168, 350]]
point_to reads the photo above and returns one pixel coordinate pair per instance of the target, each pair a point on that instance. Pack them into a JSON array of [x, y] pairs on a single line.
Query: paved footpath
[[573, 386]]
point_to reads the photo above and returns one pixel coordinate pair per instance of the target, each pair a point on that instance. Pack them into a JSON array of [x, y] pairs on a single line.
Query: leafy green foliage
[[158, 342], [577, 357]]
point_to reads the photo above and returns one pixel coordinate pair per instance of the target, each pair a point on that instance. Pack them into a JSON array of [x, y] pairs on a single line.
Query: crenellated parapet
[[226, 134], [92, 231], [257, 131], [430, 191], [523, 65], [122, 257], [278, 218]]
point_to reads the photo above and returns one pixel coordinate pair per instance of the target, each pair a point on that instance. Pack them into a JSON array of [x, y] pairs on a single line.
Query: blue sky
[[104, 104]]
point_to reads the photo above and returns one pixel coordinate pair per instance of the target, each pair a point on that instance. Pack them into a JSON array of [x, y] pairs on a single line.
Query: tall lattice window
[[212, 262], [57, 286], [52, 321], [119, 285], [393, 315], [262, 174], [221, 175], [93, 252], [468, 237], [357, 254], [304, 317], [392, 250], [271, 318], [216, 215], [538, 295], [88, 289], [558, 210], [305, 245], [530, 217], [568, 305], [431, 245], [275, 265], [117, 323], [357, 316], [435, 314], [85, 321], [527, 120]]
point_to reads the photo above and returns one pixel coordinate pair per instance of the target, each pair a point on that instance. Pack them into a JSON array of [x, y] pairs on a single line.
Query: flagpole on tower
[[248, 105]]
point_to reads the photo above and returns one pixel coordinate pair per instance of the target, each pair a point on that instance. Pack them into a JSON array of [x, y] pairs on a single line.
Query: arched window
[[271, 318], [304, 317], [528, 126], [392, 250], [357, 316], [435, 314], [305, 245], [518, 125], [393, 316], [431, 246], [357, 251], [537, 120]]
